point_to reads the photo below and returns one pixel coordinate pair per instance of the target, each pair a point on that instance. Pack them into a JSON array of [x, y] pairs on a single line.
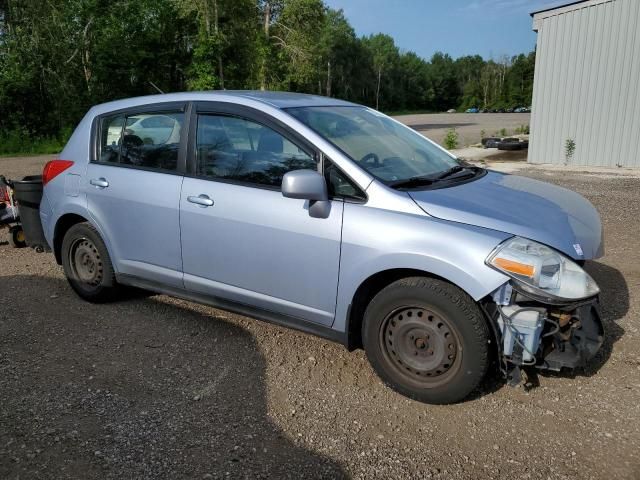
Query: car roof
[[275, 99]]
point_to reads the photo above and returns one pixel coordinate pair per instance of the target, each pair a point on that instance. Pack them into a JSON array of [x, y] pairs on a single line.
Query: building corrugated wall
[[587, 84]]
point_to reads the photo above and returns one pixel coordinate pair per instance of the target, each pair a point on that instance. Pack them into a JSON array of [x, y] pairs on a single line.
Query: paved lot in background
[[162, 388], [468, 125]]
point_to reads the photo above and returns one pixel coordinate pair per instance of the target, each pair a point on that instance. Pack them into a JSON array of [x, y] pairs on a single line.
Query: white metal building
[[587, 84]]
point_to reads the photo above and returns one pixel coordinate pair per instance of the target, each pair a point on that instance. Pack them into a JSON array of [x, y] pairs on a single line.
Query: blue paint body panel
[[255, 247], [521, 206]]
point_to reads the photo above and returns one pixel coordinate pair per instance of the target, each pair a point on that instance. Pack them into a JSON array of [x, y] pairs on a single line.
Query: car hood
[[521, 206]]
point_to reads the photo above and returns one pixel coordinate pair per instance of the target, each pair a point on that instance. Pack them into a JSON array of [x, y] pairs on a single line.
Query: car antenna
[[156, 87]]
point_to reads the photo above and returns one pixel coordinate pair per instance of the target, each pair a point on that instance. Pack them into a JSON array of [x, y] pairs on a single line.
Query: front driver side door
[[242, 240]]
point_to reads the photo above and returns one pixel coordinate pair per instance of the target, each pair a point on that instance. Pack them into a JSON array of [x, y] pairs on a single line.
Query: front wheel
[[87, 265], [426, 339]]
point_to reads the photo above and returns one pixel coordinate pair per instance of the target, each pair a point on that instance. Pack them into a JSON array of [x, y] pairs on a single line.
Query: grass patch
[[21, 142]]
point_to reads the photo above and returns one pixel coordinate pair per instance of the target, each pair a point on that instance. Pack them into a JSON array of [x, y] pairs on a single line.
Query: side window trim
[[157, 108]]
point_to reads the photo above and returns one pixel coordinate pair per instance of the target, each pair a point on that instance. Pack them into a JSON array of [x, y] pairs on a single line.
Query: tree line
[[59, 57]]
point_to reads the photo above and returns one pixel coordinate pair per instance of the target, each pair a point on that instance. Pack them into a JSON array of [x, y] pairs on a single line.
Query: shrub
[[503, 132], [451, 139], [20, 141], [569, 150]]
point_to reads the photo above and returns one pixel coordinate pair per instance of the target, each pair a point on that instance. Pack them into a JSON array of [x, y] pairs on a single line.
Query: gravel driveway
[[468, 125], [161, 388]]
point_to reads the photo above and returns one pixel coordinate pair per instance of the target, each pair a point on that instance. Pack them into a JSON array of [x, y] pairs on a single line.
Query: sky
[[491, 28]]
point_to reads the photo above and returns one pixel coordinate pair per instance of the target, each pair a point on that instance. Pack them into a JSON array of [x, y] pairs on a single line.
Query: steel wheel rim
[[85, 262], [421, 345]]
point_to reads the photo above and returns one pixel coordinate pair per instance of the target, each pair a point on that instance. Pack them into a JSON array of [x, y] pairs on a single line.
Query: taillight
[[54, 168]]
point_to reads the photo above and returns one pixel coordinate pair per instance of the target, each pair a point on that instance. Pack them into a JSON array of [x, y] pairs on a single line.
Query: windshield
[[383, 147]]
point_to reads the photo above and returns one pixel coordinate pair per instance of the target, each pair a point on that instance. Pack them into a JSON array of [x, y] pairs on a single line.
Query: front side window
[[383, 147], [150, 140], [237, 149]]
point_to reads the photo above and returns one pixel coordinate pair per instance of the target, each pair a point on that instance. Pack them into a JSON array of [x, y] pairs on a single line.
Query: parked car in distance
[[332, 218], [472, 110], [452, 110]]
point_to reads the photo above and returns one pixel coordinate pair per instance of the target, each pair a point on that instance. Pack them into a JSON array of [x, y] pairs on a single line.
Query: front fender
[[375, 240]]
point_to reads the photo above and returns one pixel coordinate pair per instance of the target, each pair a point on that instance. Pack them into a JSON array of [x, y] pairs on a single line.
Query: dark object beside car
[[10, 215], [491, 142], [511, 144], [28, 193]]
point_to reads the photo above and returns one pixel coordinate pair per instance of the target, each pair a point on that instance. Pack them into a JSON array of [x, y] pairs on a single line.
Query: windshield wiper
[[449, 172], [422, 180], [417, 181]]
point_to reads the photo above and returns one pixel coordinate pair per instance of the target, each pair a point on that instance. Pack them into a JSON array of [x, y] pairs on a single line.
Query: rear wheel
[[87, 265], [427, 339]]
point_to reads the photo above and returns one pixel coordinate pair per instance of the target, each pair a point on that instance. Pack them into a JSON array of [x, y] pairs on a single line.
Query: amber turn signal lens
[[515, 267]]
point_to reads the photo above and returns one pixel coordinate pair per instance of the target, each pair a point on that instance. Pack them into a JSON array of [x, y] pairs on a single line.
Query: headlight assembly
[[541, 271]]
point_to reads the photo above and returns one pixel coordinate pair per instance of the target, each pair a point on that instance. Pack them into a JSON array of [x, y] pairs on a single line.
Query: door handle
[[202, 200], [99, 182]]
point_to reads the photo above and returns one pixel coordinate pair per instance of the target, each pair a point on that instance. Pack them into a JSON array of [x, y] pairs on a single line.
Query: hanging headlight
[[542, 271]]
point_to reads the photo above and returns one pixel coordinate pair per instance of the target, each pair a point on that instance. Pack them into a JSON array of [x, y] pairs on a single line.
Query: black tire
[[16, 239], [87, 264], [427, 316], [489, 139], [510, 146]]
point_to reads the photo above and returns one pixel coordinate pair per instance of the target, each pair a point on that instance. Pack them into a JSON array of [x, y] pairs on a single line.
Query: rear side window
[[111, 136], [233, 148], [149, 140]]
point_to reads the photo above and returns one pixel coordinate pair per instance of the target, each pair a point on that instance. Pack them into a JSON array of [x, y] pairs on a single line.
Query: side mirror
[[304, 185], [308, 185]]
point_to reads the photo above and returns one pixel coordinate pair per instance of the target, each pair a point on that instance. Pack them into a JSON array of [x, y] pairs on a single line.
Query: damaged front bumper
[[580, 337], [544, 336]]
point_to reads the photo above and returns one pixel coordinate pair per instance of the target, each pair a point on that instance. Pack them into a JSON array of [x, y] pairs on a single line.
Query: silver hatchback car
[[334, 219]]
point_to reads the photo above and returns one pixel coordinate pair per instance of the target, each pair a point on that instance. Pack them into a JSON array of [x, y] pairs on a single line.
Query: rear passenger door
[[244, 242], [133, 189]]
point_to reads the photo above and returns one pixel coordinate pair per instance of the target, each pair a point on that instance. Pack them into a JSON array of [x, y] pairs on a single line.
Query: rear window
[[147, 140]]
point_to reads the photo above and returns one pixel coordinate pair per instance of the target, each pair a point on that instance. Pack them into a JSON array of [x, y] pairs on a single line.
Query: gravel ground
[[161, 388], [468, 125]]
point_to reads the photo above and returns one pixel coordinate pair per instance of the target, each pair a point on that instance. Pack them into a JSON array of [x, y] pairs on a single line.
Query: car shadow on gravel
[[146, 388], [614, 300]]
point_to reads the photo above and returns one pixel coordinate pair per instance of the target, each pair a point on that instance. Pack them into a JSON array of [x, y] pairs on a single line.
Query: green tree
[[59, 57], [444, 92], [384, 55], [297, 36]]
